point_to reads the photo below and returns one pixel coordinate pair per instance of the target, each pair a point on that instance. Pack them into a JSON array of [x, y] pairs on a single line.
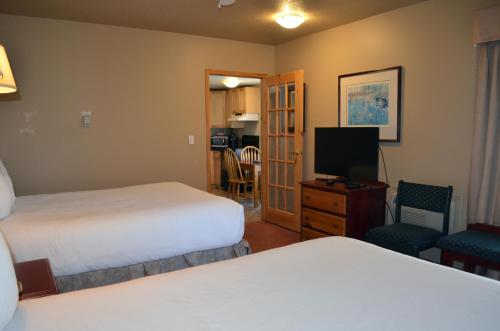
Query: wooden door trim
[[218, 72], [264, 115], [299, 142]]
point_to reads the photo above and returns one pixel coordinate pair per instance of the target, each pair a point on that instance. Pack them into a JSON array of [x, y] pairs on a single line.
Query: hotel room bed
[[100, 237], [326, 284]]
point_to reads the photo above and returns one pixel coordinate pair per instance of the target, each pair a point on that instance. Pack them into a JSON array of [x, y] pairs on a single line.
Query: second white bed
[[93, 230], [326, 284]]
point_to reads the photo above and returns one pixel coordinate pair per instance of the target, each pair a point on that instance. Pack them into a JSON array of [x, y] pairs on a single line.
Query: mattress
[[326, 284], [93, 230]]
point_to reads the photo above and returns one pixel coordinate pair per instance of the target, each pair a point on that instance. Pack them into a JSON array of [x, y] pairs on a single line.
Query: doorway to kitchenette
[[264, 114], [233, 129]]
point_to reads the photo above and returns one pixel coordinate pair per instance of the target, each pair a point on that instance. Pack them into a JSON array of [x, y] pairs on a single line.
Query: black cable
[[390, 212], [385, 169], [386, 181]]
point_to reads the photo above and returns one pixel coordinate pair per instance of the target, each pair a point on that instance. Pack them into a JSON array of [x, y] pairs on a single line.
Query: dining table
[[255, 168]]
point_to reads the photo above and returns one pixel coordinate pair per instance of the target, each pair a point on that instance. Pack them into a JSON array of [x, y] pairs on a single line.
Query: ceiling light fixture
[[289, 16], [225, 3], [290, 20], [231, 82]]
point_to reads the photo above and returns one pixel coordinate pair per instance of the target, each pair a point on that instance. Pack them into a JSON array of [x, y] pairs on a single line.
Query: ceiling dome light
[[231, 82], [225, 3], [290, 20]]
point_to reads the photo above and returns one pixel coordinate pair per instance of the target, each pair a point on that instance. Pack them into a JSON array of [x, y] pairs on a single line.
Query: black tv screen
[[347, 152]]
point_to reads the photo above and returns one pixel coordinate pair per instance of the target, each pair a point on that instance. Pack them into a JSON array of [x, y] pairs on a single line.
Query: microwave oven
[[219, 141]]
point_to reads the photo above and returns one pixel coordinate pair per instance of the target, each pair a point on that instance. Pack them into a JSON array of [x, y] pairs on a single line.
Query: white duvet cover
[[92, 230], [326, 284]]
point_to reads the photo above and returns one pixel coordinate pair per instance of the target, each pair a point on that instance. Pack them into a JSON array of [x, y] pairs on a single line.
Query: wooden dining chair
[[235, 174], [250, 154]]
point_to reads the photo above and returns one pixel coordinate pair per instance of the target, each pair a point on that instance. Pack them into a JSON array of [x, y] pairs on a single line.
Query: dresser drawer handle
[[307, 218], [307, 197]]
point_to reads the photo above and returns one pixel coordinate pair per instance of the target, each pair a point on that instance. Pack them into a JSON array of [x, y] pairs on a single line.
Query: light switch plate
[[86, 119], [191, 139]]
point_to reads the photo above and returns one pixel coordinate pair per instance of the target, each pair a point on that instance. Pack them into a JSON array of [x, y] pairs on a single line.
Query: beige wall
[[433, 42], [144, 88], [146, 91]]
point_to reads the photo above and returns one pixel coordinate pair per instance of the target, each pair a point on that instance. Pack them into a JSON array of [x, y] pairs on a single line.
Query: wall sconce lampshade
[[7, 82]]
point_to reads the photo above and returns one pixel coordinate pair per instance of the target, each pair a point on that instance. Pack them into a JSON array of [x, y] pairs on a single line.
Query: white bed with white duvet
[[91, 230], [326, 284], [94, 230]]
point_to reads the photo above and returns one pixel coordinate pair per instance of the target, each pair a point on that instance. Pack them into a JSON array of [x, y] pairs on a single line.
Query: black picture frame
[[390, 132]]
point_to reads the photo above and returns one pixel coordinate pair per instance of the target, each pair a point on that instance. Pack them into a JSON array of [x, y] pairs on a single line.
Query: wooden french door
[[282, 138]]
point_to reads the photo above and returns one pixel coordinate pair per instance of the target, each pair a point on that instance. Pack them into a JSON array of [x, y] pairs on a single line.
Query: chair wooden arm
[[484, 228]]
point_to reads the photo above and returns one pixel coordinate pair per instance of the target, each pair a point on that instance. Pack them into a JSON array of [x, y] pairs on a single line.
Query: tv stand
[[338, 209], [348, 183], [336, 180]]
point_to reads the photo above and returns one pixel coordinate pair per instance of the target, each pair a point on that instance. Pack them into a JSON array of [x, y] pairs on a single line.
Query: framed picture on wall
[[372, 99]]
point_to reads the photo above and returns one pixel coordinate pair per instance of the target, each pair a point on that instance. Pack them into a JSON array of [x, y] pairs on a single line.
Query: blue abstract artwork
[[368, 104]]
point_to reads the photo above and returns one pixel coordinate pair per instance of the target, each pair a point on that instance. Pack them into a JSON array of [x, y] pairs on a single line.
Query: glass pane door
[[282, 166]]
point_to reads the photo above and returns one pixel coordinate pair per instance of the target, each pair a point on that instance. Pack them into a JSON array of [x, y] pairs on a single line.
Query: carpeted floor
[[263, 236]]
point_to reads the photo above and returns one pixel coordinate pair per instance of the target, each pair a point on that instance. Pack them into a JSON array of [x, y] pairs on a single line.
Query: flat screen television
[[351, 153]]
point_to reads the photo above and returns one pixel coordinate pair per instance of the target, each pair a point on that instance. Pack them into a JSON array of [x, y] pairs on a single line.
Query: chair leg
[[469, 267], [237, 192], [254, 195], [446, 258], [259, 193], [232, 191], [228, 193]]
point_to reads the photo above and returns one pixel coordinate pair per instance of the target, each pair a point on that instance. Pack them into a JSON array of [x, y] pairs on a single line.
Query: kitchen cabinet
[[218, 109], [231, 102], [243, 100]]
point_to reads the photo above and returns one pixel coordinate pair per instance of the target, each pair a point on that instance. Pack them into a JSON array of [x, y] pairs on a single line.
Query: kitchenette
[[235, 121]]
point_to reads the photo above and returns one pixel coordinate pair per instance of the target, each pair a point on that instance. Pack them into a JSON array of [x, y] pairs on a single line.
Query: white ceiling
[[217, 82], [246, 20]]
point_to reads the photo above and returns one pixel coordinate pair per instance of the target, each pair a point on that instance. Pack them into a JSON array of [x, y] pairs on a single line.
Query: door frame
[[218, 72]]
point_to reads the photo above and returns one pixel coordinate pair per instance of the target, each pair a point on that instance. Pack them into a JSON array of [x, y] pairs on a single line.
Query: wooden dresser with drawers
[[335, 210]]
